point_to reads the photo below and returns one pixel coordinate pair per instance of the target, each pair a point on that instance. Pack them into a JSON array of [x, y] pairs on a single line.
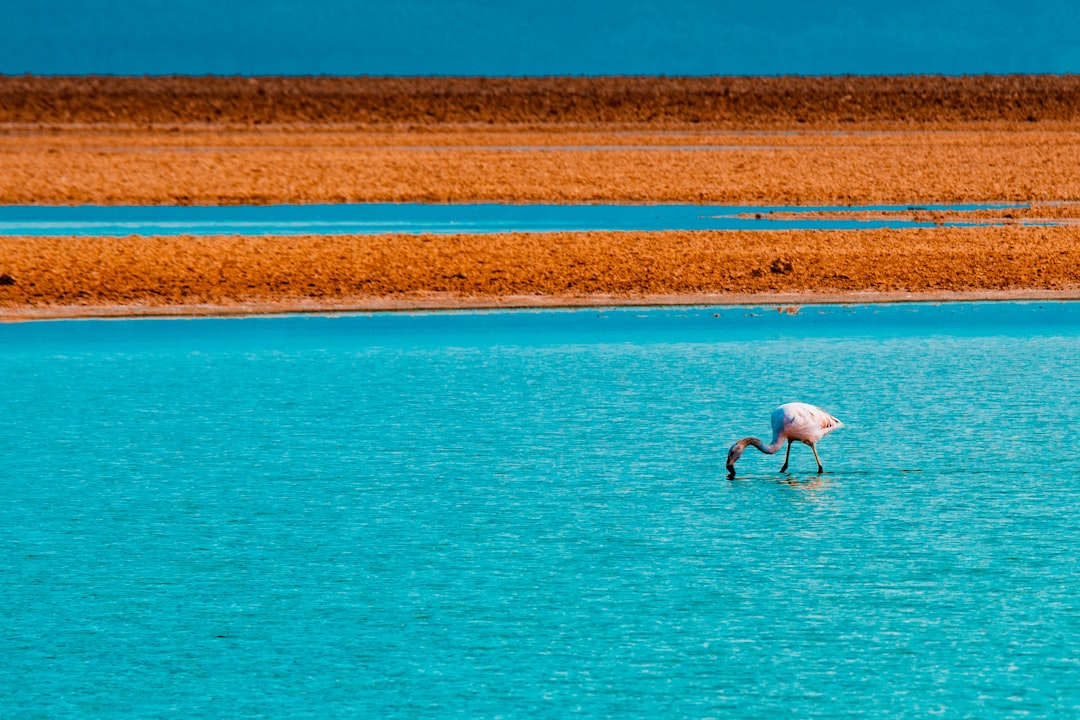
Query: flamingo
[[791, 422]]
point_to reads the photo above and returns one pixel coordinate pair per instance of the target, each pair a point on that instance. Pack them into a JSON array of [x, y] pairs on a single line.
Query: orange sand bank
[[757, 141], [80, 166], [65, 276], [733, 102]]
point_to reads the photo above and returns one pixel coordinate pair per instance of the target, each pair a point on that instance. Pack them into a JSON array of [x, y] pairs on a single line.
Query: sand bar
[[199, 166], [65, 276], [737, 103], [755, 141]]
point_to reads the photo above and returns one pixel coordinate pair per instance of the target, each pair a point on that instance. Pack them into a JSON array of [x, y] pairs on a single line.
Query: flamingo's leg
[[787, 457], [819, 468]]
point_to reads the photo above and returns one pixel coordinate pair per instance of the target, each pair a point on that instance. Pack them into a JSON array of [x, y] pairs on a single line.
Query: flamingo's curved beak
[[730, 469]]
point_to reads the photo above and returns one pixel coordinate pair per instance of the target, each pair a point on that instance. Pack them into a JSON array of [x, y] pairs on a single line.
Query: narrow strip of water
[[415, 218]]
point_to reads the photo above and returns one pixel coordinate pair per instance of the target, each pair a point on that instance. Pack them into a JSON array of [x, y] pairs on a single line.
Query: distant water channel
[[370, 218], [525, 514]]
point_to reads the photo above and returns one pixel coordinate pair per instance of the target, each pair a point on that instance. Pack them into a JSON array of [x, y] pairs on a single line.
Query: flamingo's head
[[734, 454]]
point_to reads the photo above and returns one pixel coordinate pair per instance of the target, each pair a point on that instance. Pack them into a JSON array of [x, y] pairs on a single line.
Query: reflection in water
[[809, 483]]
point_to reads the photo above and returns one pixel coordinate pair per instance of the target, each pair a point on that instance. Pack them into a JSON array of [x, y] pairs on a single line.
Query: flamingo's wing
[[805, 422]]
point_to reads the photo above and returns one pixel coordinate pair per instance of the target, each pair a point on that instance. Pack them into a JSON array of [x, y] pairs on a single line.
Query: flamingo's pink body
[[790, 422]]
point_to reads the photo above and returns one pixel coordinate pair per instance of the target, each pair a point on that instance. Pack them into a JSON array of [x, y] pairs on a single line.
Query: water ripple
[[526, 513]]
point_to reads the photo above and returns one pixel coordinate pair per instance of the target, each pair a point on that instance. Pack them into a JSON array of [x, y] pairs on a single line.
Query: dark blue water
[[554, 37], [370, 218], [526, 514]]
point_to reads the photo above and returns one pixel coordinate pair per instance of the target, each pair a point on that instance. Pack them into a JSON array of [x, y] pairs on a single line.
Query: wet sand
[[764, 141]]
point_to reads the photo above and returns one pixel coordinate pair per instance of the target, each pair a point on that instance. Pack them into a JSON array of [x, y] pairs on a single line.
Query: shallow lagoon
[[520, 513], [373, 218]]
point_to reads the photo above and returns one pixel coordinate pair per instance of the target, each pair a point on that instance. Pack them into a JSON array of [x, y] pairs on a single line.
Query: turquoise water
[[555, 37], [369, 218], [526, 514]]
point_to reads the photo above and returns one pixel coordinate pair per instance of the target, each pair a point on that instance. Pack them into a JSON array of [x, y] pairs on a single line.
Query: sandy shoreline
[[911, 141], [790, 303]]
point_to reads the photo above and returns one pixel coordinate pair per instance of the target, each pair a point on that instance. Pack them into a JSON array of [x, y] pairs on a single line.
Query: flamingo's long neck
[[769, 449]]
